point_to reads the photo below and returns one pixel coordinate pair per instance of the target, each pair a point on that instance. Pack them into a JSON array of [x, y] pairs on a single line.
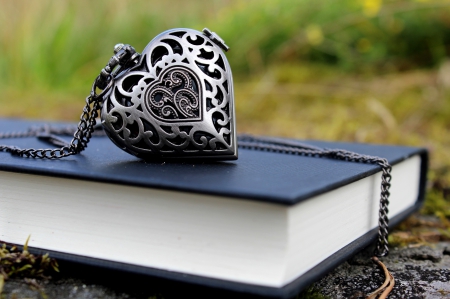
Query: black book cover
[[257, 175]]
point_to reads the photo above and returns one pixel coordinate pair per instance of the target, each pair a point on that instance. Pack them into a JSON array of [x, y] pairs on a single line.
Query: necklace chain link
[[125, 57], [81, 137]]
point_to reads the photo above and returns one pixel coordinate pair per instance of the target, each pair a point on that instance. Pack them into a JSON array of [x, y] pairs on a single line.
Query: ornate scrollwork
[[176, 97], [178, 101]]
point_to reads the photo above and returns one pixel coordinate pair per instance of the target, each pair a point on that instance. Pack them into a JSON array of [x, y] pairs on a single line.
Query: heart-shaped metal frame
[[177, 102]]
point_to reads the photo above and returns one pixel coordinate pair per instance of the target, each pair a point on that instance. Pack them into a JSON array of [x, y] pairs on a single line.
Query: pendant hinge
[[125, 57], [216, 39]]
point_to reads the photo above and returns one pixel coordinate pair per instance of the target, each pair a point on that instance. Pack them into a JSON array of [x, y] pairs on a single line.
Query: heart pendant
[[177, 102]]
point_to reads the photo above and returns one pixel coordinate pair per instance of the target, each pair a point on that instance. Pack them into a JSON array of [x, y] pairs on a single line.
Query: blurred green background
[[363, 71]]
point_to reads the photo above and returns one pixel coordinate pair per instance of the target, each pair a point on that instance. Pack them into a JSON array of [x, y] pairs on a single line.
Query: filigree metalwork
[[176, 102], [176, 97]]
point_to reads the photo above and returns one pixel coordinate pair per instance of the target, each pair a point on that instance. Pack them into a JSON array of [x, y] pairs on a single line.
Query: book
[[268, 224]]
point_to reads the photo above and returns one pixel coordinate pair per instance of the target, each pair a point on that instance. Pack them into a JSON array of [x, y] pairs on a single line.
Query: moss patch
[[15, 263]]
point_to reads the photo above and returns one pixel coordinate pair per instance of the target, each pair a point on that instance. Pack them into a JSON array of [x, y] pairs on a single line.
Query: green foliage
[[438, 197], [61, 45], [437, 204], [353, 35], [14, 263]]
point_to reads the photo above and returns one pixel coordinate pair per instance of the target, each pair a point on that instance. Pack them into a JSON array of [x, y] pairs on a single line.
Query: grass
[[360, 71], [61, 45], [14, 263]]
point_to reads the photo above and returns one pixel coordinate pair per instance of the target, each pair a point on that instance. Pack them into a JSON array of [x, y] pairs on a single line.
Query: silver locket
[[177, 101]]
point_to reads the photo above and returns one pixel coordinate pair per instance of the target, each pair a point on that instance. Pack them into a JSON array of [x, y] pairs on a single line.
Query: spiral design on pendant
[[175, 96]]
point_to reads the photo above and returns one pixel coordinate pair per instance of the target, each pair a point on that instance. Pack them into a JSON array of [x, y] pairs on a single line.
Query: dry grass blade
[[389, 288], [388, 284], [2, 283]]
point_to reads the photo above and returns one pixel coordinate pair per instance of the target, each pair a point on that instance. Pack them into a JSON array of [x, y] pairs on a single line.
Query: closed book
[[269, 223]]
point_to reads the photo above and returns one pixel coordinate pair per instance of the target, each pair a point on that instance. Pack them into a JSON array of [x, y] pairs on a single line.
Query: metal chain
[[79, 142], [294, 148], [125, 56]]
